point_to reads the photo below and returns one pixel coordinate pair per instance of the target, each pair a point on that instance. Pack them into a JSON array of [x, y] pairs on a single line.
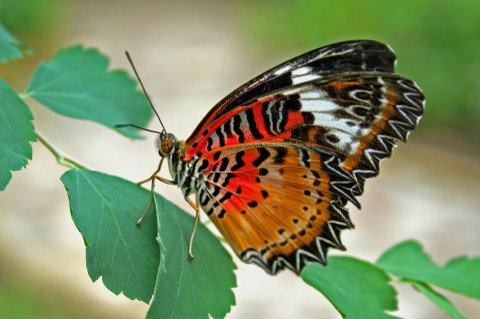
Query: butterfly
[[275, 162]]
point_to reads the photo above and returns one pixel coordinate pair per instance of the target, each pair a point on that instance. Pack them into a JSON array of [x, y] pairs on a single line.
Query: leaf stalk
[[61, 158]]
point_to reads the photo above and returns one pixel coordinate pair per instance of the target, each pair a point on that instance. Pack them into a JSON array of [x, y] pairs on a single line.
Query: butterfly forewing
[[279, 158], [348, 56]]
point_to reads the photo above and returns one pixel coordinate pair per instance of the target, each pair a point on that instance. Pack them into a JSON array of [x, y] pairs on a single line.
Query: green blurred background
[[437, 44]]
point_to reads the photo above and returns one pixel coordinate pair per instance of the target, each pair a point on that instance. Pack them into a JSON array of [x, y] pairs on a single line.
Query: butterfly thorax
[[184, 173]]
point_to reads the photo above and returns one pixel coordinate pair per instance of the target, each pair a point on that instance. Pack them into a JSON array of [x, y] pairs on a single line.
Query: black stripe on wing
[[341, 57]]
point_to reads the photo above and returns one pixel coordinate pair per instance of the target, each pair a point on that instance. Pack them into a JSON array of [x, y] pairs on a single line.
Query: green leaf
[[357, 289], [10, 47], [408, 260], [16, 133], [190, 289], [439, 300], [76, 83], [104, 209]]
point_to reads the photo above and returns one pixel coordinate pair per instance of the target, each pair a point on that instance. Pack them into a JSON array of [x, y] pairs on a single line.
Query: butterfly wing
[[347, 56], [357, 116], [282, 155], [276, 204]]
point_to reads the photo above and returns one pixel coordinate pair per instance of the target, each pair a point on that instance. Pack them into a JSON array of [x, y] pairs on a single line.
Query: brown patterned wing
[[356, 116], [277, 205], [359, 117]]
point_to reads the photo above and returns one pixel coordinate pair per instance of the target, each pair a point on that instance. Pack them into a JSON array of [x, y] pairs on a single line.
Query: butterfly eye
[[166, 143], [167, 146]]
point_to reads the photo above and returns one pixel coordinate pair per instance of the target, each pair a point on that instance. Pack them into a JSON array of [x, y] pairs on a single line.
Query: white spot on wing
[[313, 95], [282, 70], [345, 140], [305, 78], [301, 71], [331, 121], [318, 106], [354, 147], [293, 91]]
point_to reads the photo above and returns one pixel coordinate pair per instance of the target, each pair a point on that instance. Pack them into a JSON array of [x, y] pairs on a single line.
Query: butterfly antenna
[[137, 127], [144, 90]]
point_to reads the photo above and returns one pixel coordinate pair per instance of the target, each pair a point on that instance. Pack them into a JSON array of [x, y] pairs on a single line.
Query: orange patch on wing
[[388, 111], [290, 217], [342, 85]]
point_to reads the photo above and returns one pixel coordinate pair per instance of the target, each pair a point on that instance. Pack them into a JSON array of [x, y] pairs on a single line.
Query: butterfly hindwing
[[358, 116], [277, 206]]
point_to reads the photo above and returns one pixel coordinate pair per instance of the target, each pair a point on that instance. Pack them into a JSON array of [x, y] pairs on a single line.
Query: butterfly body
[[275, 162]]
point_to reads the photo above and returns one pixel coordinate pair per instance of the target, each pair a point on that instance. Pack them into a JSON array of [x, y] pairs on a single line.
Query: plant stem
[[61, 159]]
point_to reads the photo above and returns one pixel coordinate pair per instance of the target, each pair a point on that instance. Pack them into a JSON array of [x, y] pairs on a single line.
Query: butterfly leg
[[152, 178], [154, 175], [164, 180], [195, 223], [150, 202]]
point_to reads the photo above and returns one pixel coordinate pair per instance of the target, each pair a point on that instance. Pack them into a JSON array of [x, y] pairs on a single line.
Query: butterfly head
[[166, 143]]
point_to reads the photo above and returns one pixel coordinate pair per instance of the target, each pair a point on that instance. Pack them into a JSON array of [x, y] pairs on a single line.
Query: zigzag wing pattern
[[277, 160], [276, 205]]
